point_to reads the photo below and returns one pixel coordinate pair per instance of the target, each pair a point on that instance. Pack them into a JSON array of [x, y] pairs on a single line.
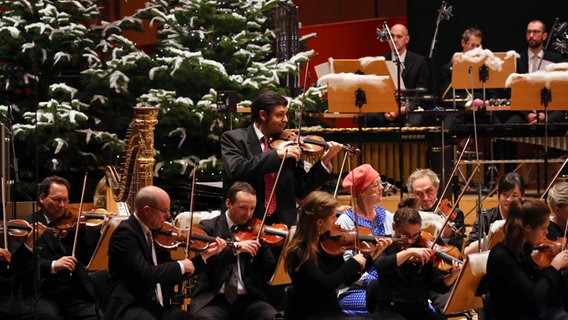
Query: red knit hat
[[359, 179]]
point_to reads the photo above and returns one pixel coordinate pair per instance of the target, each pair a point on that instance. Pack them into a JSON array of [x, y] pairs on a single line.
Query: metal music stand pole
[[360, 100]]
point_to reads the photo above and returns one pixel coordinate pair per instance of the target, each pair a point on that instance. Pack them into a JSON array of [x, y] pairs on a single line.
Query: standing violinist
[[247, 156], [518, 287], [316, 274], [510, 188], [364, 184], [65, 291], [406, 271], [142, 275], [424, 184], [231, 286]]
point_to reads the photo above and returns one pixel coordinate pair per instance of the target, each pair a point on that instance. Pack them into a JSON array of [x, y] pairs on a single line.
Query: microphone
[[445, 13], [382, 35], [562, 27]]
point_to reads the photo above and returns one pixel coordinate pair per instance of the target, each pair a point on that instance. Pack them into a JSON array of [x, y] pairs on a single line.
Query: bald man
[[416, 74], [142, 287]]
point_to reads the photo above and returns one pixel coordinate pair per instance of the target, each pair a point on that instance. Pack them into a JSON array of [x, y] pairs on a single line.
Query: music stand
[[463, 295], [99, 260], [534, 89], [461, 78], [280, 275]]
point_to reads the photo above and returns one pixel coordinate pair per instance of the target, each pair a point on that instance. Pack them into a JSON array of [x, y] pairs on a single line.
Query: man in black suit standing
[[416, 74], [248, 264], [142, 275], [65, 290], [247, 156]]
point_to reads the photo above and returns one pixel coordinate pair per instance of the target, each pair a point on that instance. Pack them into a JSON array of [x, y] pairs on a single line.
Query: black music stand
[[535, 89]]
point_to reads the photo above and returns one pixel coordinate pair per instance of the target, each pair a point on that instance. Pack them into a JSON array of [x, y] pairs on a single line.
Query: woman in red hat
[[364, 184]]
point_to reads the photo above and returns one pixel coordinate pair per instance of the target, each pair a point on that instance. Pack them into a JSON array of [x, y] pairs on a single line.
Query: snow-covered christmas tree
[[72, 78]]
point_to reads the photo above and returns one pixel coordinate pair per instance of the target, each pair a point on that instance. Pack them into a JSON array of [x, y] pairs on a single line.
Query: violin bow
[[4, 219], [191, 202], [303, 101], [263, 222], [447, 219], [554, 179], [345, 155], [456, 165], [79, 216]]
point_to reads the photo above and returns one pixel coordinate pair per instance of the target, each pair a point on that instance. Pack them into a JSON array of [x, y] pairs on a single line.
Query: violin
[[311, 144], [273, 235], [443, 255], [545, 250], [170, 237], [445, 211], [19, 229], [337, 240], [68, 221]]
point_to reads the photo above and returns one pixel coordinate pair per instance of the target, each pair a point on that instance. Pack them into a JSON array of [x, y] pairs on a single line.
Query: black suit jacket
[[416, 73], [132, 273], [50, 248], [244, 160], [523, 60], [254, 271]]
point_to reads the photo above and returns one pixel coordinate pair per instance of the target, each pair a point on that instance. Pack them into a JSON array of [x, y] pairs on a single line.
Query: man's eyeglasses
[[167, 211], [59, 200]]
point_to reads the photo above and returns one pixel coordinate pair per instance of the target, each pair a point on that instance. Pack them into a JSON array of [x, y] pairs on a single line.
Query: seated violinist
[[317, 274], [407, 270], [364, 184], [518, 287], [142, 274], [511, 187], [231, 285], [424, 185], [64, 291]]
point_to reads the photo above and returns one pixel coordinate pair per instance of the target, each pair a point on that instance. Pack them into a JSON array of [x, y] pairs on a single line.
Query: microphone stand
[[399, 68], [545, 98], [480, 210]]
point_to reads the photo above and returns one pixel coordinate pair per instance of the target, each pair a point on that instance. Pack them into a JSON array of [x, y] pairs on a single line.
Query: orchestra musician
[[315, 274], [406, 271], [65, 290], [364, 184], [231, 286], [511, 187], [514, 279], [471, 39], [142, 275], [416, 74], [557, 199], [424, 184], [535, 58], [245, 160]]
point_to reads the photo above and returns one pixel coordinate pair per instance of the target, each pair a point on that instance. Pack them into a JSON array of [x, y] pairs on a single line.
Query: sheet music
[[392, 72]]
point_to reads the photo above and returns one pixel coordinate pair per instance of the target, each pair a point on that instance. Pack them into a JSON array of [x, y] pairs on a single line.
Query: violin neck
[[19, 226], [446, 257], [90, 215], [276, 232], [209, 239], [316, 142]]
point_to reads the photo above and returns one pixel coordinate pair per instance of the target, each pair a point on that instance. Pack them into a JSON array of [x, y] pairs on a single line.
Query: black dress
[[315, 286]]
